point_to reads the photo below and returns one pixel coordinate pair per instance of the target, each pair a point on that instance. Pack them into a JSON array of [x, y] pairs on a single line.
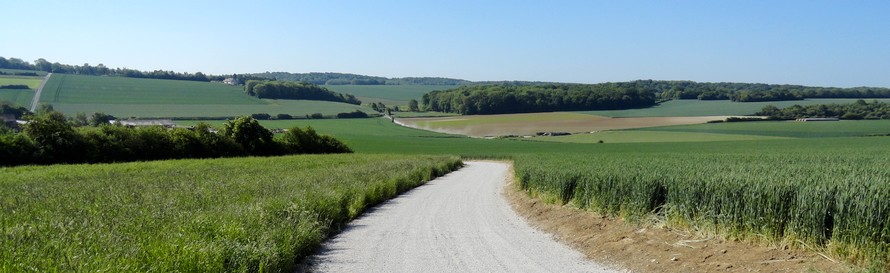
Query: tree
[[100, 118], [253, 137], [55, 139], [413, 106]]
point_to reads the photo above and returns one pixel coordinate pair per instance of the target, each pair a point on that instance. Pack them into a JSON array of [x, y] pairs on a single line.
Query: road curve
[[457, 223]]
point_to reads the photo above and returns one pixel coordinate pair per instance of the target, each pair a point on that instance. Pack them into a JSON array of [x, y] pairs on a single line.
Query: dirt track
[[457, 223]]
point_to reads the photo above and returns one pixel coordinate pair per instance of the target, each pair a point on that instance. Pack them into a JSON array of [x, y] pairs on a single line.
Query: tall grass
[[222, 215], [824, 197]]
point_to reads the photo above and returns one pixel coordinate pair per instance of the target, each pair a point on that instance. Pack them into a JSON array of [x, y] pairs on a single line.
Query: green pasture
[[461, 121], [132, 97], [31, 82], [679, 108], [18, 97], [391, 95]]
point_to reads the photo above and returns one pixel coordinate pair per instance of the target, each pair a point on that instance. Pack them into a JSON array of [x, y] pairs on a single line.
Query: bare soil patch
[[649, 248], [529, 124]]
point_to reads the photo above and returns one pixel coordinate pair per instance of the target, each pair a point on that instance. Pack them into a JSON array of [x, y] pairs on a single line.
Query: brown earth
[[651, 248], [530, 127]]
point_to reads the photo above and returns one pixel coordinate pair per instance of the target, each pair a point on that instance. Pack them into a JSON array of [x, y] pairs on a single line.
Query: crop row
[[835, 199], [221, 215]]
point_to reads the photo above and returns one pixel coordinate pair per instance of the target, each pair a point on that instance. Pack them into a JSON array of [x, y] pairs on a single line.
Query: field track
[[457, 223], [37, 94]]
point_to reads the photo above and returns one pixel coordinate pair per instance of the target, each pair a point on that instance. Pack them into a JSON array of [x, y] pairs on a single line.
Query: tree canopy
[[295, 91], [502, 99]]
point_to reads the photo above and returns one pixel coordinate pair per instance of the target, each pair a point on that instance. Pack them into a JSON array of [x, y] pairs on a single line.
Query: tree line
[[752, 92], [329, 78], [50, 138], [102, 70], [502, 99], [857, 110], [295, 91]]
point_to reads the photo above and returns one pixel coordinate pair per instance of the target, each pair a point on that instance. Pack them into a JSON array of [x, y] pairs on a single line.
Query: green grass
[[131, 97], [786, 128], [678, 108], [17, 96], [391, 95], [508, 118], [31, 82], [633, 136], [221, 215]]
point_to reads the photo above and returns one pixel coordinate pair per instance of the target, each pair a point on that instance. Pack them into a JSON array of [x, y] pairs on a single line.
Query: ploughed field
[[133, 97], [529, 124], [220, 215]]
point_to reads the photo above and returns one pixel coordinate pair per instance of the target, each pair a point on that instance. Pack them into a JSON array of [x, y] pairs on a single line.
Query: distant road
[[457, 223], [37, 94]]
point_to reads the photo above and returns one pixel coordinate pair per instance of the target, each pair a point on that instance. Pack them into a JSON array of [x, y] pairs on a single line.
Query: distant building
[[818, 119], [146, 122], [234, 80]]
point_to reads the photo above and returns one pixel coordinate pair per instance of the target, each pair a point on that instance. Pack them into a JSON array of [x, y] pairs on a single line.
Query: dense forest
[[354, 79], [751, 92], [101, 70], [857, 110], [52, 138], [502, 99], [295, 91]]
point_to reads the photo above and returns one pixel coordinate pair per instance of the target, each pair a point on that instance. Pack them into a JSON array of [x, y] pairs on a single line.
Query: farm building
[[817, 119], [146, 122]]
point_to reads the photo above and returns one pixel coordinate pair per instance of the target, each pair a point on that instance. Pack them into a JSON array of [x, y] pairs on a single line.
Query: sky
[[821, 43]]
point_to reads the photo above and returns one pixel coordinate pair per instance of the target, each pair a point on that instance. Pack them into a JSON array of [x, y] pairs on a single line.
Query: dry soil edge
[[648, 248]]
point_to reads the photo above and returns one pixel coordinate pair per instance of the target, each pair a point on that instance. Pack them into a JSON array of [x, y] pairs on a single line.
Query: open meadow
[[219, 215], [20, 97], [132, 97]]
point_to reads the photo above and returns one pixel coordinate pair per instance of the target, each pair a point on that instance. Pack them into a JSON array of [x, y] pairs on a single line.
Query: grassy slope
[[130, 97], [39, 73], [18, 96], [632, 136], [677, 108], [191, 215]]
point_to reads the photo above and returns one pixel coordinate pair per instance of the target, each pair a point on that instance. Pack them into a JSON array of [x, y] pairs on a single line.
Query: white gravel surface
[[457, 223]]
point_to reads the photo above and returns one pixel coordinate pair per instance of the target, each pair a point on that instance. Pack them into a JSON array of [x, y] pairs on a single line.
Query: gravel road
[[36, 98], [457, 223]]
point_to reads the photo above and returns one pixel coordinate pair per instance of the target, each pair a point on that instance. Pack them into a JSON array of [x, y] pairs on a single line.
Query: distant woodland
[[501, 99], [101, 70], [860, 109], [751, 92], [295, 91], [354, 79]]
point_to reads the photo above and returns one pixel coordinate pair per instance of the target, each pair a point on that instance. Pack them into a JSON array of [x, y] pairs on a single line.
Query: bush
[[300, 141], [354, 114], [283, 116]]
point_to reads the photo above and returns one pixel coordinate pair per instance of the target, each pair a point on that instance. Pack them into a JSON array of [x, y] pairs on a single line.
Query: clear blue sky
[[826, 43]]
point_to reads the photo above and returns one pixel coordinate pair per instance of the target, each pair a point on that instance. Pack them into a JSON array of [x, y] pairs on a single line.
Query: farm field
[[31, 82], [203, 216], [529, 124], [20, 97], [391, 95], [131, 97], [832, 197], [675, 108], [793, 129], [634, 136]]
